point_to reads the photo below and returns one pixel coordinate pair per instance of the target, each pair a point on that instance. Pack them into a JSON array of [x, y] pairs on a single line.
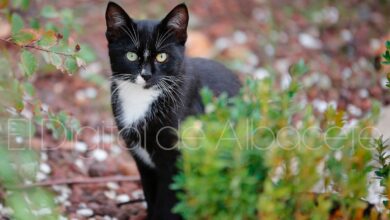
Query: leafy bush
[[42, 42], [266, 155]]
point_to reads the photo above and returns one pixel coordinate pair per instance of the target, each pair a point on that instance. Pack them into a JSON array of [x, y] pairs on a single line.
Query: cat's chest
[[134, 101]]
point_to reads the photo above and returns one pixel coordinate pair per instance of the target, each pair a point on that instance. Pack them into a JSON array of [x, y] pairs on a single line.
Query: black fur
[[187, 76]]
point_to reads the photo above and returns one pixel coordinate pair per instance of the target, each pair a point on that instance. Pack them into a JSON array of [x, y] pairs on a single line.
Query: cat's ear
[[177, 20], [116, 19]]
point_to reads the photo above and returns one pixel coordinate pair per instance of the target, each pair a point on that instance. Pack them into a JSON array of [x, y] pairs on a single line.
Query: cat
[[154, 86]]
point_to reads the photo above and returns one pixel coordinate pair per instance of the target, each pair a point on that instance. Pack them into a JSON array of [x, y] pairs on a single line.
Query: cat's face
[[146, 52]]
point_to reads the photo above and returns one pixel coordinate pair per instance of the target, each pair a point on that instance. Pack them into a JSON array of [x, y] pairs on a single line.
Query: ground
[[340, 42]]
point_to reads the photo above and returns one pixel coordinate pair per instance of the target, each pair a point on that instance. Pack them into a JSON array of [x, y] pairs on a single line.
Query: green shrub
[[382, 148], [265, 155], [38, 42]]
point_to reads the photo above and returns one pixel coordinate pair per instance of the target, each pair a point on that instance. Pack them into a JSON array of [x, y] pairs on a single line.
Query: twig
[[131, 202], [35, 48], [95, 180]]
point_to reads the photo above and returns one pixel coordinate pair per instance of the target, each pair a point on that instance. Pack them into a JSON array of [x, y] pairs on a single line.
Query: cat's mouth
[[152, 83], [146, 84], [139, 80]]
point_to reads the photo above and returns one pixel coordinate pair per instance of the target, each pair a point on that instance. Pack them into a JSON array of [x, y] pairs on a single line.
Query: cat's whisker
[[136, 33], [172, 93], [164, 46], [174, 82], [180, 77], [167, 92], [121, 76], [157, 44], [163, 40], [118, 75], [162, 111], [157, 38], [164, 37], [117, 89], [130, 35]]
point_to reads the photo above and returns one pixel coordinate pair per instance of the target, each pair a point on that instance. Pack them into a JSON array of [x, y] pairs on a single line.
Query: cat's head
[[146, 51]]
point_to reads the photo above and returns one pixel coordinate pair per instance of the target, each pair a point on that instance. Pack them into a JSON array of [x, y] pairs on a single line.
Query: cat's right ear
[[116, 20]]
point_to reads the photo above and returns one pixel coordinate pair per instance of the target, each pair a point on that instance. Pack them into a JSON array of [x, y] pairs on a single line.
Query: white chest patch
[[135, 101]]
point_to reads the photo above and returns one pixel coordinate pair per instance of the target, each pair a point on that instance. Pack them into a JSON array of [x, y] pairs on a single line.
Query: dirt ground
[[341, 44]]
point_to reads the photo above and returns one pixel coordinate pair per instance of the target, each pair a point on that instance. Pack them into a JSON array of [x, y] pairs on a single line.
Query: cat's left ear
[[177, 20], [116, 20]]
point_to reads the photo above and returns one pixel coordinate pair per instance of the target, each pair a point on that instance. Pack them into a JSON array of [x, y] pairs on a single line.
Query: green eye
[[161, 57], [131, 56]]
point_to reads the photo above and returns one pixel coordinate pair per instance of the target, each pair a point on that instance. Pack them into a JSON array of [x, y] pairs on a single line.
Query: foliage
[[382, 148], [386, 56], [42, 42], [262, 155], [383, 169]]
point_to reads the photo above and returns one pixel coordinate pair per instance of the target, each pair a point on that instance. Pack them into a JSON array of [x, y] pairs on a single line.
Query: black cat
[[154, 86]]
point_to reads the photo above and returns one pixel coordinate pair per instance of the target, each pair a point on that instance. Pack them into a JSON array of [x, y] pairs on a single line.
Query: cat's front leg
[[149, 184], [166, 198], [145, 166]]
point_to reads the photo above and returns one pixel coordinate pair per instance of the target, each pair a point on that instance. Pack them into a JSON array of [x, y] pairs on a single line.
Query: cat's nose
[[146, 76], [146, 73]]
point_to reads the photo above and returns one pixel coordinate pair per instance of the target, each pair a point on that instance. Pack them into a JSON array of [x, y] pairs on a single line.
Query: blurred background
[[340, 41]]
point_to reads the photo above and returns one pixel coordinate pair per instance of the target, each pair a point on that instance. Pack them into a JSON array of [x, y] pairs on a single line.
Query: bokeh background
[[340, 41]]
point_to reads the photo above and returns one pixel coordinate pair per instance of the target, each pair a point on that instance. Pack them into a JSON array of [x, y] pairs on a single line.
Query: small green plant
[[383, 168], [263, 155]]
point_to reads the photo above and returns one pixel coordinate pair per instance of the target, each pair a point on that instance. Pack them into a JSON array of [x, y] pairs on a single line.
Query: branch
[[132, 202], [95, 180], [35, 48]]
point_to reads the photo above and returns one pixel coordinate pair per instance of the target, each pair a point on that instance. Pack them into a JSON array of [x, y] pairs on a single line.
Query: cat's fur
[[149, 99]]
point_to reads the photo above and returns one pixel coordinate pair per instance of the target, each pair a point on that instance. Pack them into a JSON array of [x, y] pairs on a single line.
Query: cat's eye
[[131, 56], [161, 57]]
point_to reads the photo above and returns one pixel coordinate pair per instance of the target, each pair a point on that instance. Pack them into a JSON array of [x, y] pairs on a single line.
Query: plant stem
[[35, 48]]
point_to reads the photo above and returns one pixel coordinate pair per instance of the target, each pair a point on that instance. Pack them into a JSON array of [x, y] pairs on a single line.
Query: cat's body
[[150, 98]]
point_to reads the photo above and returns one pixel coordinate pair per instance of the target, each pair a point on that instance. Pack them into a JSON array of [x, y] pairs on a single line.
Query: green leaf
[[87, 54], [48, 39], [34, 23], [299, 68], [29, 62], [56, 60], [29, 88], [24, 37], [386, 55], [207, 95], [16, 23], [23, 4], [71, 65], [7, 171], [49, 12]]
